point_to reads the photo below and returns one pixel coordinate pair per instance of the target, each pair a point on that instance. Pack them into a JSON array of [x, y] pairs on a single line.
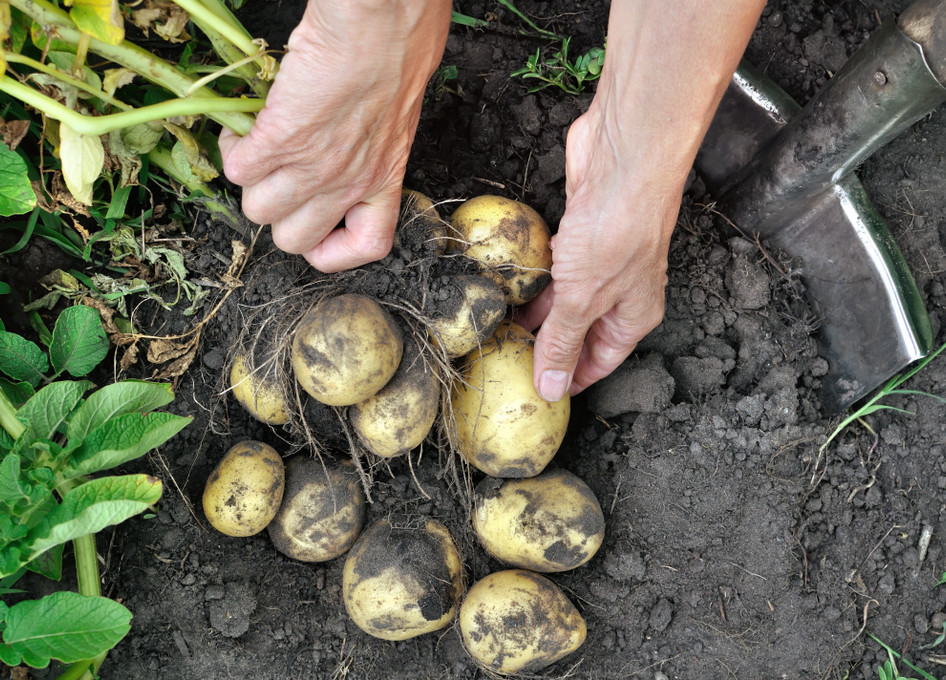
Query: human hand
[[333, 139]]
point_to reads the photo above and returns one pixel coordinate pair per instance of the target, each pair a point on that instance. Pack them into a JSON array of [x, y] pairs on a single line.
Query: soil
[[734, 549]]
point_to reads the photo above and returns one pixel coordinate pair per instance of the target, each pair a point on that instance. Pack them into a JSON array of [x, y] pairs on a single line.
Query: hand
[[333, 139], [609, 262]]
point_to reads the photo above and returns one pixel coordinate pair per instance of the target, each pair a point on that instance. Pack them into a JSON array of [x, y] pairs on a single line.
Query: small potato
[[259, 393], [503, 427], [322, 512], [244, 491], [345, 349], [472, 307], [517, 621], [420, 225], [398, 418], [401, 582], [551, 522], [510, 240]]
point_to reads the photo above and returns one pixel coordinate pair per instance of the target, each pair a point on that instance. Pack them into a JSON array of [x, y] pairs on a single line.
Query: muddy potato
[[398, 418], [345, 349], [243, 493], [503, 427], [551, 522], [419, 224], [400, 582], [257, 392], [322, 512], [518, 621], [471, 308], [510, 240]]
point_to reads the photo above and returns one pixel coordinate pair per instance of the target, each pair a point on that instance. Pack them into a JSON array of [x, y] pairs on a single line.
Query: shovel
[[785, 173]]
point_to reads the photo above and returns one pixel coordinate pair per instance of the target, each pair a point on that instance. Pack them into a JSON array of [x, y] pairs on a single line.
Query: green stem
[[161, 157], [203, 16], [8, 420], [99, 125], [14, 58]]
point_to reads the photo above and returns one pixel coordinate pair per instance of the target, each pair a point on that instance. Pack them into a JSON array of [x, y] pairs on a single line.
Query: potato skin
[[257, 393], [461, 328], [323, 510], [402, 582], [345, 349], [511, 242], [503, 427], [420, 225], [548, 523], [517, 621], [243, 493], [398, 418]]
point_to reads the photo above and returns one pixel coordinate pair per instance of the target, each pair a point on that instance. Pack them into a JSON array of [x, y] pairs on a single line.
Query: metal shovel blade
[[785, 174]]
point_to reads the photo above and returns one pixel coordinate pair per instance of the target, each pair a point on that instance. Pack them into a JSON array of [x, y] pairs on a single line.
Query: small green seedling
[[888, 671], [559, 71]]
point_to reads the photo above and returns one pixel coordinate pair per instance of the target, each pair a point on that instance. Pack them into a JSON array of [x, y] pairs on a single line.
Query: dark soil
[[733, 549]]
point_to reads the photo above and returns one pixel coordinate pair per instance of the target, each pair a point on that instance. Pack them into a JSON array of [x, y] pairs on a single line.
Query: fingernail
[[553, 385]]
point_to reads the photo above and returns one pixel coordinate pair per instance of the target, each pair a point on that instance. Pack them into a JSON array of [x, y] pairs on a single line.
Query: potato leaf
[[65, 626], [11, 491], [21, 359], [48, 409], [5, 21], [17, 392], [123, 439], [49, 564], [79, 342], [102, 19], [16, 193], [117, 399], [116, 78], [83, 158], [89, 508]]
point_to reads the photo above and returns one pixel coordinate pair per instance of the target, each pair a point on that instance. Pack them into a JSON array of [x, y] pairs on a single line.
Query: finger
[[244, 162], [532, 315], [604, 350], [366, 237], [279, 195], [557, 349], [307, 226]]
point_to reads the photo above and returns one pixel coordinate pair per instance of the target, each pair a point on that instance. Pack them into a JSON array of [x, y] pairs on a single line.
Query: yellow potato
[[244, 491], [398, 418], [551, 522], [510, 240], [322, 512], [401, 582], [503, 427], [345, 349], [259, 393], [420, 224], [517, 621], [472, 308]]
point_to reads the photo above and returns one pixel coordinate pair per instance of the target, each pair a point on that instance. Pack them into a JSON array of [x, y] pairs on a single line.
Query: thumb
[[558, 347]]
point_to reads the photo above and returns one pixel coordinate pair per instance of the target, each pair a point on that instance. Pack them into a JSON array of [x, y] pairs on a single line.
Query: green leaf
[[89, 508], [16, 193], [17, 392], [65, 626], [49, 564], [49, 408], [101, 19], [127, 396], [21, 359], [10, 489], [123, 439], [79, 342]]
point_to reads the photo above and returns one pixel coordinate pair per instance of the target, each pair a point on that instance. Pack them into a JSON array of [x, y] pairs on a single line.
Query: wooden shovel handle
[[924, 22]]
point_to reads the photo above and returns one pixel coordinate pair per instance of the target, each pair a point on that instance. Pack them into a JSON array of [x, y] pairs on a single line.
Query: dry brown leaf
[[42, 198], [239, 257], [64, 198], [129, 357], [14, 132], [161, 351], [177, 367]]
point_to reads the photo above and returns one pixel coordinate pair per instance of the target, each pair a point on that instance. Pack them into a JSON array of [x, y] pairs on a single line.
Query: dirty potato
[[243, 493], [551, 522], [419, 224], [503, 427], [257, 392], [345, 349], [398, 418], [402, 581], [511, 242], [517, 621], [322, 512], [469, 311]]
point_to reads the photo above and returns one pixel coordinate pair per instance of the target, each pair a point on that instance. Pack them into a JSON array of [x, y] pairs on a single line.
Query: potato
[[551, 522], [517, 621], [503, 427], [244, 491], [398, 418], [259, 393], [420, 224], [400, 582], [470, 309], [322, 512], [510, 240], [345, 349]]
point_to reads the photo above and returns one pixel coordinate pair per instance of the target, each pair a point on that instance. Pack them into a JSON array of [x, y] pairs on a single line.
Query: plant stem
[[203, 16], [8, 420], [99, 125], [162, 158], [14, 58]]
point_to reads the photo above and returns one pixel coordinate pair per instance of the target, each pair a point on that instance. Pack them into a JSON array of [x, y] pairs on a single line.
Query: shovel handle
[[924, 22]]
